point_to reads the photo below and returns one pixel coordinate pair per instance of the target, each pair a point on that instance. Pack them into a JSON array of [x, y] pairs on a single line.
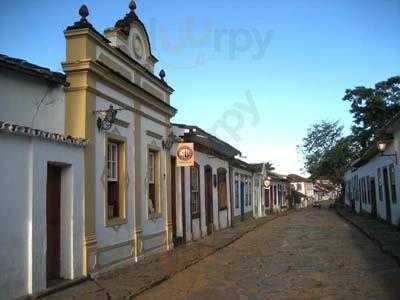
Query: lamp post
[[382, 145]]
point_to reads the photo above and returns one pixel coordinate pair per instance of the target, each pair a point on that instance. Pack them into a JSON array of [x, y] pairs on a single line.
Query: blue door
[[242, 200]]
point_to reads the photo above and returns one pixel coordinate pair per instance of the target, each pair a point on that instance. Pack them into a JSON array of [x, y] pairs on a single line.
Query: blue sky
[[292, 60]]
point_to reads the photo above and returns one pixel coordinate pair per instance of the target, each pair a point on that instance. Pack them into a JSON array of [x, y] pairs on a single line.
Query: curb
[[376, 241]]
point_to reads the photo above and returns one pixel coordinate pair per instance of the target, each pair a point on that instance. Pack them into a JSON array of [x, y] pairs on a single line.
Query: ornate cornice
[[41, 134]]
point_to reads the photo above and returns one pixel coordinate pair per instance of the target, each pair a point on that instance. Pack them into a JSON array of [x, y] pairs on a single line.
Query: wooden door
[[183, 204], [267, 192], [387, 195], [209, 198], [53, 222], [173, 194]]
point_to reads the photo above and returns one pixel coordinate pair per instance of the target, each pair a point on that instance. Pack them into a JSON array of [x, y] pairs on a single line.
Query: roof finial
[[132, 5], [162, 75], [83, 12]]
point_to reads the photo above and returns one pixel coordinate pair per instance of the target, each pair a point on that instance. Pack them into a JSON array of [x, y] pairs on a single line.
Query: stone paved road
[[310, 254]]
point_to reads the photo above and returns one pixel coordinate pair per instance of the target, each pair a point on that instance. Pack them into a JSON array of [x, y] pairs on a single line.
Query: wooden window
[[195, 191], [393, 183], [115, 179], [222, 190], [380, 185], [275, 196], [153, 179]]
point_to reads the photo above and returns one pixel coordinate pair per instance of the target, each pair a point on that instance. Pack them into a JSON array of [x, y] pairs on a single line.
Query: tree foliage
[[335, 161], [320, 138], [371, 109]]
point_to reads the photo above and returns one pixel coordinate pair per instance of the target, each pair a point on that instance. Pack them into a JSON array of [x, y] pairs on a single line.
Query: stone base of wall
[[246, 216]]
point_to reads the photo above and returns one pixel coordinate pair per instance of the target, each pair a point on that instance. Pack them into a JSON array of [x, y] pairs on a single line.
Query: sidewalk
[[386, 237], [130, 279]]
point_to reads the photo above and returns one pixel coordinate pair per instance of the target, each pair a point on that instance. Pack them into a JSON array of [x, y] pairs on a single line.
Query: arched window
[[222, 189]]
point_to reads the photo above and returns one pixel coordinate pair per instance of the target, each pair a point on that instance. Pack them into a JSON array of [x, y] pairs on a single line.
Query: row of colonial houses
[[372, 183], [90, 175]]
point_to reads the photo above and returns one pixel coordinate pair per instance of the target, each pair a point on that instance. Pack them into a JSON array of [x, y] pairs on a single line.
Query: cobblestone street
[[310, 254]]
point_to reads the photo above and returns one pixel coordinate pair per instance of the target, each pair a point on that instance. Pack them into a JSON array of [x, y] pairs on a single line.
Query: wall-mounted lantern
[[215, 180], [267, 183], [170, 140], [106, 118], [382, 145]]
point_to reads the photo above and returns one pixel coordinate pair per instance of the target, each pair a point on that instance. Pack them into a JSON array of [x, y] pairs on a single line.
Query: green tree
[[336, 160], [320, 138], [371, 109]]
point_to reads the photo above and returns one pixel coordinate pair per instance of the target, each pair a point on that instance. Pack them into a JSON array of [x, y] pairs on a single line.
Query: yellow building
[[127, 164]]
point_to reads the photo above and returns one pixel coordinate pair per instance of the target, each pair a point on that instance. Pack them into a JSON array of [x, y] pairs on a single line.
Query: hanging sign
[[185, 155]]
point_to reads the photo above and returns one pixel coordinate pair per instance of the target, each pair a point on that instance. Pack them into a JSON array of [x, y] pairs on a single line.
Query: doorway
[[173, 196], [267, 192], [373, 197], [53, 216], [242, 200], [209, 198], [387, 195]]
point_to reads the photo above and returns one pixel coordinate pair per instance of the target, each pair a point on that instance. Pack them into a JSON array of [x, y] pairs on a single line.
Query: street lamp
[[382, 145], [106, 118]]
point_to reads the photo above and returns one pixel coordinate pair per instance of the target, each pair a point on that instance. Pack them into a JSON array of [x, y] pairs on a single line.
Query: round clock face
[[138, 47]]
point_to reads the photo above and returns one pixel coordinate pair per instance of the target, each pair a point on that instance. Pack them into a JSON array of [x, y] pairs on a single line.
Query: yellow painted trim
[[121, 104], [124, 86], [108, 48]]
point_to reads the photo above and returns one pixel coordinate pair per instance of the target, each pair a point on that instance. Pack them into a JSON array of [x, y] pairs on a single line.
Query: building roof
[[22, 66], [203, 138], [277, 177], [243, 165], [14, 129], [298, 178]]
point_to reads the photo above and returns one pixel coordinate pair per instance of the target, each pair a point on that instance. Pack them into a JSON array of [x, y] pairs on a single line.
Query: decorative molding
[[153, 236], [154, 135], [41, 134], [121, 123], [119, 103], [115, 246]]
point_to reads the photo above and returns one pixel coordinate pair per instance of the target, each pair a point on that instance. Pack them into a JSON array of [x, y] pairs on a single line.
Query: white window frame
[[112, 162]]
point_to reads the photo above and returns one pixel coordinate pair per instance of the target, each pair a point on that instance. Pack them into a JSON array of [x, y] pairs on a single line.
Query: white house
[[304, 188], [243, 190], [372, 183], [41, 220], [202, 193]]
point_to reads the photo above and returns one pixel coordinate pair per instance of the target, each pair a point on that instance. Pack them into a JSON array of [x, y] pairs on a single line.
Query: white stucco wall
[[30, 101], [119, 238], [23, 215], [370, 169], [241, 175], [195, 229]]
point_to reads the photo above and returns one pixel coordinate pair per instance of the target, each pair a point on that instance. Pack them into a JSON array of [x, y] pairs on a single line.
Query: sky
[[255, 73]]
